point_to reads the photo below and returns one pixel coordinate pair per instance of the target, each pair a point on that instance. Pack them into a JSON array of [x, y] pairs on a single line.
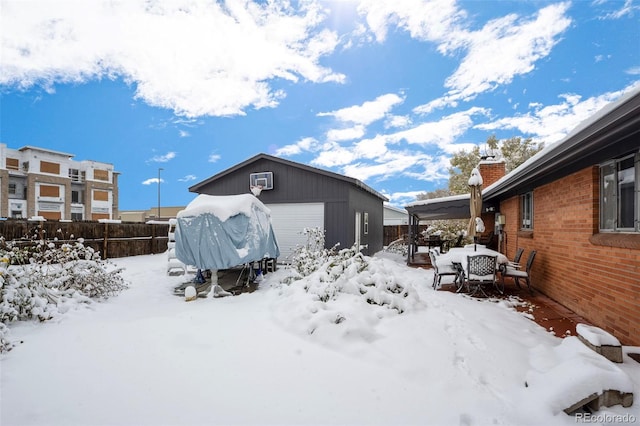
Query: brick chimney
[[491, 170]]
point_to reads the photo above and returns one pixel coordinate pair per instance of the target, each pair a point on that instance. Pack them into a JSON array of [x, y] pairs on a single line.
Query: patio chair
[[439, 272], [516, 259], [481, 271], [518, 274]]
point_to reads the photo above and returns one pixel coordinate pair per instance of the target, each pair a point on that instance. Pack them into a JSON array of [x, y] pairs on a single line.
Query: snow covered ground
[[281, 356]]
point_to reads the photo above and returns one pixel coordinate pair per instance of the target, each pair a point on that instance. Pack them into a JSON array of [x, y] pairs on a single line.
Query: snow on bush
[[42, 281], [326, 289]]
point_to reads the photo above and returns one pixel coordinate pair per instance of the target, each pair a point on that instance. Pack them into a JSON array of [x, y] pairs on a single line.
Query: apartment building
[[42, 182]]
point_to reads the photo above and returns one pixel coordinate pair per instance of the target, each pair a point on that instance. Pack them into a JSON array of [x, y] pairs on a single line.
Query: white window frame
[[609, 200], [526, 211], [366, 223]]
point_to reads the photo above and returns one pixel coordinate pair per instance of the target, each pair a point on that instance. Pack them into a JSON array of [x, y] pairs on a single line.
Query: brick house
[[577, 203]]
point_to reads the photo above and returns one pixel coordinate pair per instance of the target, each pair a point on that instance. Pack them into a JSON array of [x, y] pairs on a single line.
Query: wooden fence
[[394, 232], [110, 239]]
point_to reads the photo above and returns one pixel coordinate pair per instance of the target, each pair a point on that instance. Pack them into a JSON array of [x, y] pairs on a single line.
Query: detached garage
[[301, 196]]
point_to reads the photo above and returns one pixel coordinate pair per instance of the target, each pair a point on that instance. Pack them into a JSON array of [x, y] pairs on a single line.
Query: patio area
[[544, 311]]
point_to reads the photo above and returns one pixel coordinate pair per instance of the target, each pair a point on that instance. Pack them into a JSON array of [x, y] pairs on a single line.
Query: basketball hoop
[[256, 190]]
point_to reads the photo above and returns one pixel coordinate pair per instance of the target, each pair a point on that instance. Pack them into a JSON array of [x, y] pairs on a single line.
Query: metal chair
[[481, 270], [439, 272], [516, 259], [518, 274]]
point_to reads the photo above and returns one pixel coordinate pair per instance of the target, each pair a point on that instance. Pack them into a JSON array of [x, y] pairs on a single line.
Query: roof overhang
[[453, 207]]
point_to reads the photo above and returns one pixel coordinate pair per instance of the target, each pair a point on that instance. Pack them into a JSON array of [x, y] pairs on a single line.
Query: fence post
[[104, 241], [153, 239]]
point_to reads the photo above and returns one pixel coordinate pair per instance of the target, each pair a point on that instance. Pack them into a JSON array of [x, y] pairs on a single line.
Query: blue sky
[[383, 91]]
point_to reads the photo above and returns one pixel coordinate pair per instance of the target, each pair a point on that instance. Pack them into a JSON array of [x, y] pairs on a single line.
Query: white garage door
[[289, 220]]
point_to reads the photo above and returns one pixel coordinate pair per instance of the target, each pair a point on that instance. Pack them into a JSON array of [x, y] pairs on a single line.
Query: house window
[[100, 195], [13, 164], [75, 176], [50, 191], [366, 223], [76, 197], [99, 174], [12, 188], [619, 194], [76, 216], [526, 211], [49, 167]]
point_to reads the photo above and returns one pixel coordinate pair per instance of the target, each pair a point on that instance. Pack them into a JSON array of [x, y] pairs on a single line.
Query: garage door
[[289, 220]]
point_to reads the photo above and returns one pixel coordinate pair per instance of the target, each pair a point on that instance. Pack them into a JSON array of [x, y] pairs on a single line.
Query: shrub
[[308, 258], [42, 281]]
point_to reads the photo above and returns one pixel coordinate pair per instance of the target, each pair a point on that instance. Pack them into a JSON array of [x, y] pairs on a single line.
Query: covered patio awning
[[453, 207], [444, 208]]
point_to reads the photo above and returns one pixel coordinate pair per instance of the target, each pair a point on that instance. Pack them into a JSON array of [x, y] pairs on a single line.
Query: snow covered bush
[[449, 229], [345, 289], [42, 281], [307, 258]]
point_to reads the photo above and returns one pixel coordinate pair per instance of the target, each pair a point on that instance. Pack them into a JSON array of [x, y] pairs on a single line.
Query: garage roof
[[197, 187]]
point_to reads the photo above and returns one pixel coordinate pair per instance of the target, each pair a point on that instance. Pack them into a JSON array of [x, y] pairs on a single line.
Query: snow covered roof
[[223, 206]]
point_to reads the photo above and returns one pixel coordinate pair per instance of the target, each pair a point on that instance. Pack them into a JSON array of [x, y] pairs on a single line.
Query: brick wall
[[491, 171], [599, 282]]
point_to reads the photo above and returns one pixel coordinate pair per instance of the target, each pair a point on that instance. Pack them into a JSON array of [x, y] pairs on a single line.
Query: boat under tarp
[[223, 231]]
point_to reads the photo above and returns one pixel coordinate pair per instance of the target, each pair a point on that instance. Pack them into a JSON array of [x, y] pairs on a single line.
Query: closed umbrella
[[475, 204]]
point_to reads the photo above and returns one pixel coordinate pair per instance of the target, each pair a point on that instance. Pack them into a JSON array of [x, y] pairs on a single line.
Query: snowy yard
[[282, 356]]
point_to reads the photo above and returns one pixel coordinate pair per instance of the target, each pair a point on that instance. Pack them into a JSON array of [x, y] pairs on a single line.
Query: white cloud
[[412, 164], [305, 144], [626, 9], [551, 123], [397, 121], [183, 133], [348, 134], [442, 132], [520, 42], [163, 158], [214, 158], [403, 198], [368, 112], [152, 181], [197, 58], [387, 155], [438, 103], [633, 71], [187, 178], [426, 20], [333, 155]]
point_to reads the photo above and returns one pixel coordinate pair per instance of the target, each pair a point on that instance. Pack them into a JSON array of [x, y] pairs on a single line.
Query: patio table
[[457, 257]]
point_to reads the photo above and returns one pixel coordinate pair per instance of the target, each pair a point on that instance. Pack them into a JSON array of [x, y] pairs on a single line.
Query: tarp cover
[[220, 232]]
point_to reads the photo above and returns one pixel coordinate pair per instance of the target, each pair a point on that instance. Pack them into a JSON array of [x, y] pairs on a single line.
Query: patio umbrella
[[475, 204]]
